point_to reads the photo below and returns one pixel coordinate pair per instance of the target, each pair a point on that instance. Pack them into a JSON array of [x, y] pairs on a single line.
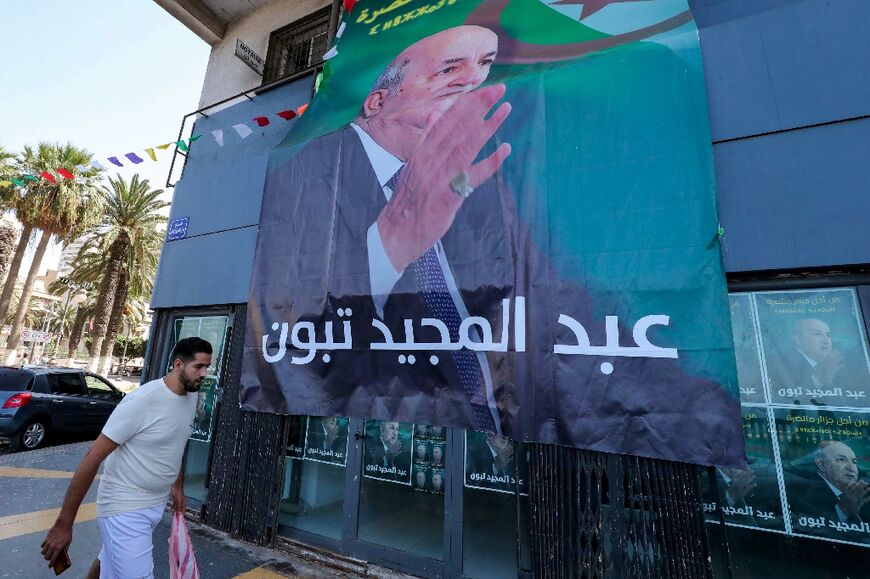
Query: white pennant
[[219, 137], [243, 130]]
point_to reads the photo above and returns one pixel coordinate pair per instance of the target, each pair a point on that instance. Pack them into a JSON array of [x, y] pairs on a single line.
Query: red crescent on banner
[[514, 51]]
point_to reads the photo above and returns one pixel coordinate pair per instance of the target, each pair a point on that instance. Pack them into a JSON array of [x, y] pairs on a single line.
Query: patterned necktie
[[433, 285]]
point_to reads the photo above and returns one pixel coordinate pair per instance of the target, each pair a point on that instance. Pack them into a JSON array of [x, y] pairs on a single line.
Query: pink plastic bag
[[182, 561]]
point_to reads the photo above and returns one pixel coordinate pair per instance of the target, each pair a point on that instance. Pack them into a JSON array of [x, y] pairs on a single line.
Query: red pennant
[[65, 174], [348, 5], [48, 176], [302, 109], [287, 115], [261, 121]]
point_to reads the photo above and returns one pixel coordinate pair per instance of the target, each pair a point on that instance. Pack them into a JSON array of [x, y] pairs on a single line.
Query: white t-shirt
[[151, 425]]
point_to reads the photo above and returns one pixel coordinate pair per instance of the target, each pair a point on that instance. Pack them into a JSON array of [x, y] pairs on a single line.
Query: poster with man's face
[[495, 463], [387, 452], [746, 349], [815, 349], [748, 497], [825, 461], [205, 402], [468, 216], [326, 439]]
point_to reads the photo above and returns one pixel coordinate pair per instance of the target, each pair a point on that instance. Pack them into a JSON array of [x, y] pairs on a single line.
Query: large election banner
[[500, 215]]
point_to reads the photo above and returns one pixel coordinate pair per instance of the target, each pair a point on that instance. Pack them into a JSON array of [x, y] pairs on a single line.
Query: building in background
[[788, 104]]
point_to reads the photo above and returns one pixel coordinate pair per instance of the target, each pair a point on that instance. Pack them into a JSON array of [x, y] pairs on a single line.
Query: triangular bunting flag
[[348, 5], [48, 176], [261, 121], [81, 168], [340, 30], [243, 130], [115, 161], [287, 115], [19, 182], [331, 53], [164, 146], [30, 178], [302, 109], [194, 138], [182, 145], [98, 166], [5, 183], [65, 174], [151, 153], [136, 159], [218, 137]]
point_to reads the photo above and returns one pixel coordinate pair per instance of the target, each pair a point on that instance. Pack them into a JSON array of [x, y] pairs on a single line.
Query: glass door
[[213, 329], [400, 511]]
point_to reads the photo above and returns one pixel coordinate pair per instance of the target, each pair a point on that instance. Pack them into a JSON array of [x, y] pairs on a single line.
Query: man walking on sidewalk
[[143, 444]]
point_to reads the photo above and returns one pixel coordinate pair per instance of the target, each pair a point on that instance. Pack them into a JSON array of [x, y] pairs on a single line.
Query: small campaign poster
[[429, 452], [495, 463], [298, 426], [748, 497], [388, 446], [814, 348], [825, 461], [204, 410], [746, 349], [326, 439]]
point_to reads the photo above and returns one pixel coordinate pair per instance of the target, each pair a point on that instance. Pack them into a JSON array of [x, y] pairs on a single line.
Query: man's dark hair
[[187, 349]]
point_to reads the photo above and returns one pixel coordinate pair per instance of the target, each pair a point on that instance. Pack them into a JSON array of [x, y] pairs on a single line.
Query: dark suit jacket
[[312, 260]]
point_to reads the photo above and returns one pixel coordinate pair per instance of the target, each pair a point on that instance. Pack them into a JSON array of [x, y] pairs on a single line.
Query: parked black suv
[[37, 400]]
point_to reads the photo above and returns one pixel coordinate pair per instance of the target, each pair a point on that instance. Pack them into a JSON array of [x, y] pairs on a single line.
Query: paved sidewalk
[[33, 484]]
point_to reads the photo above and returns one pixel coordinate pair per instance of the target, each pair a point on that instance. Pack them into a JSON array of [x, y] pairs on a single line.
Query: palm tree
[[63, 209], [73, 293], [7, 165], [8, 239], [130, 228]]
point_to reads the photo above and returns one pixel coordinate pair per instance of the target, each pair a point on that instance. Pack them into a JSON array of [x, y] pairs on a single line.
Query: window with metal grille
[[297, 46]]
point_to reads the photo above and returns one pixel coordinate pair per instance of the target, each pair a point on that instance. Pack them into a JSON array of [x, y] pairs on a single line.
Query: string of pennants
[[241, 129]]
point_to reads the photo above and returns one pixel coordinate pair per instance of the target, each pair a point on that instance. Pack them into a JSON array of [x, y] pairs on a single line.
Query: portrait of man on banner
[[420, 262]]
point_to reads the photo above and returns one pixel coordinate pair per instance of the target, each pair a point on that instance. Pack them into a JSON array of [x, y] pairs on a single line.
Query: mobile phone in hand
[[62, 563]]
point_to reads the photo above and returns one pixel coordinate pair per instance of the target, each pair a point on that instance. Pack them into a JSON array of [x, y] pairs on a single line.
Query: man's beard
[[190, 385]]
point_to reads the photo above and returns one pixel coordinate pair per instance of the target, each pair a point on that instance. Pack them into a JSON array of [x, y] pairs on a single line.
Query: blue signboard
[[177, 228]]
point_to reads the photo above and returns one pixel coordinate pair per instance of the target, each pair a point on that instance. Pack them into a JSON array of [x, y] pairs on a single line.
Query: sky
[[110, 76]]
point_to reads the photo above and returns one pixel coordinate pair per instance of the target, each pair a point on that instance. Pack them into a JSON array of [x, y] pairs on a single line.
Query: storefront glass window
[[495, 471], [804, 377], [212, 329], [313, 497], [402, 489]]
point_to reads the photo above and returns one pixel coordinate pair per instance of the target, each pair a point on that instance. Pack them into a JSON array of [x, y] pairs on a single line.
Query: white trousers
[[127, 545]]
